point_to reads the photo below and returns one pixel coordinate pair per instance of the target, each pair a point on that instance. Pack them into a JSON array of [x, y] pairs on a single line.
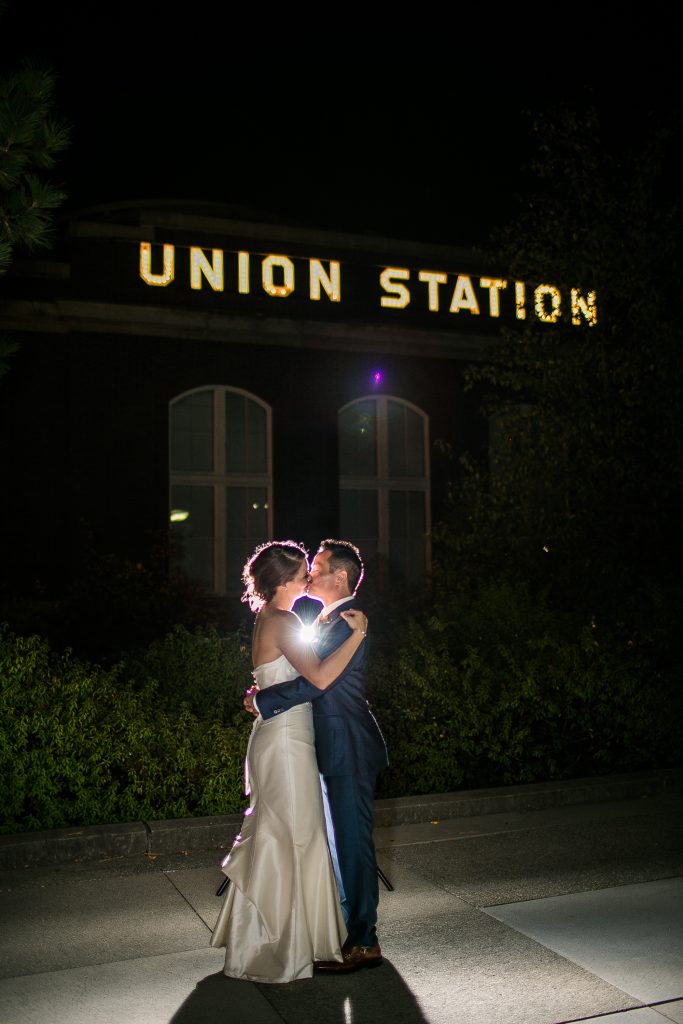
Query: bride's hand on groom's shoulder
[[355, 620]]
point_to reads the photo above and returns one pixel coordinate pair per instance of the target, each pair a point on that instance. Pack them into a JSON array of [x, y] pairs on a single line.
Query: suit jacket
[[348, 740]]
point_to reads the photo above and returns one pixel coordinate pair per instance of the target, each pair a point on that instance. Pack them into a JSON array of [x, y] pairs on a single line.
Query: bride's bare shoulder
[[275, 618], [273, 624]]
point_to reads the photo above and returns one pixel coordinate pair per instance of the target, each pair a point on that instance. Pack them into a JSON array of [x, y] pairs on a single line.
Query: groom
[[350, 751]]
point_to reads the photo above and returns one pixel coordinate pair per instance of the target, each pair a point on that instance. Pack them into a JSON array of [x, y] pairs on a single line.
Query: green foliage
[[506, 691], [550, 646], [30, 140], [497, 690], [204, 671], [84, 745]]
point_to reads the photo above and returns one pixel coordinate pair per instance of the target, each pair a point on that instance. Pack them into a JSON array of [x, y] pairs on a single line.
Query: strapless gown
[[281, 910]]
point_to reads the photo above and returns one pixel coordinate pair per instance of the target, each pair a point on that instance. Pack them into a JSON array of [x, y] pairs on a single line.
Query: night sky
[[419, 135]]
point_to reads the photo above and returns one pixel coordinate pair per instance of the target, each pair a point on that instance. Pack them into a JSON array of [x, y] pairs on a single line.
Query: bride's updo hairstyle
[[271, 566]]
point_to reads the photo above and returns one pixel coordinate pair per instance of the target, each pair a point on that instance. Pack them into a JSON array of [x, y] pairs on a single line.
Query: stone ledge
[[104, 842], [71, 845], [193, 833], [534, 796]]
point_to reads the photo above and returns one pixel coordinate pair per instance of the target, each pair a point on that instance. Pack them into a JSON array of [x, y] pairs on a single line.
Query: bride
[[282, 911]]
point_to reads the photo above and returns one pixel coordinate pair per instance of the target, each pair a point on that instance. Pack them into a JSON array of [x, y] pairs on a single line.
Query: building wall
[[84, 409]]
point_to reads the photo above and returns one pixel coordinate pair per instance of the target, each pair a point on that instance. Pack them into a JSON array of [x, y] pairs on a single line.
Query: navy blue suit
[[350, 751]]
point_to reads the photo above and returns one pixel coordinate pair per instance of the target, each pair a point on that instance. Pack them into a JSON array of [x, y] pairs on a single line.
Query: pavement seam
[[194, 910]]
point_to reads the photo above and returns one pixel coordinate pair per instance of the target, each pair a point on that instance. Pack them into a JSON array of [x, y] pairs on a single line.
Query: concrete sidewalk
[[525, 905]]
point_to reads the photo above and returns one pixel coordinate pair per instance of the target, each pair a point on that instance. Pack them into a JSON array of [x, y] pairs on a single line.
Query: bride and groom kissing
[[304, 897]]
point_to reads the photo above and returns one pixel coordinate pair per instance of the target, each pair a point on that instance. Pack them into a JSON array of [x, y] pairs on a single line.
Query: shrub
[[204, 670], [510, 692], [80, 744], [495, 691]]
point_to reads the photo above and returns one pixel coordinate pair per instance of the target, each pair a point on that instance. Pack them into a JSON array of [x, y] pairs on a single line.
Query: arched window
[[220, 482], [384, 482]]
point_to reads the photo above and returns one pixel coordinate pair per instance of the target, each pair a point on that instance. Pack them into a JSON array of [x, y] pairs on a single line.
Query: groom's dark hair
[[345, 556]]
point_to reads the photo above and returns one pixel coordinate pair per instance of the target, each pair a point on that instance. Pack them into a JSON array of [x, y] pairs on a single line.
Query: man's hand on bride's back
[[355, 620]]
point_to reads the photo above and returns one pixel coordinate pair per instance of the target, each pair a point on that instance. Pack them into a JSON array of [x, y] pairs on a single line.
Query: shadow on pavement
[[376, 995], [213, 997]]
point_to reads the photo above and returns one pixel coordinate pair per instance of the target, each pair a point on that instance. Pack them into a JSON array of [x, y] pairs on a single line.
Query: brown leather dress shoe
[[357, 958]]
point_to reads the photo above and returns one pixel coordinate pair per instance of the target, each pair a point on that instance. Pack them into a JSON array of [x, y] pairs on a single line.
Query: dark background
[[405, 129]]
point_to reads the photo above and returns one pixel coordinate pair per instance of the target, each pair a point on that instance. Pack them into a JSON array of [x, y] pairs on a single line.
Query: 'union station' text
[[318, 280]]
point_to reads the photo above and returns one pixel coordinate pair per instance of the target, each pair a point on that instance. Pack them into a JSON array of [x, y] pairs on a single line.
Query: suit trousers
[[351, 802]]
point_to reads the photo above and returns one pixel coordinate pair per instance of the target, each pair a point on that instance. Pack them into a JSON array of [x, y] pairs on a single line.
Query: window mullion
[[219, 544], [269, 469], [428, 492], [382, 477], [219, 432], [219, 442], [401, 491], [217, 477]]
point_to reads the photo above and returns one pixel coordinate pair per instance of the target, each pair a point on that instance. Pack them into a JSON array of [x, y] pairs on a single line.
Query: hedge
[[84, 745], [502, 691]]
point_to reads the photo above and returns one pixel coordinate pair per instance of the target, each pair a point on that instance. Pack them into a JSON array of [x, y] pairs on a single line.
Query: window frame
[[382, 483], [221, 480]]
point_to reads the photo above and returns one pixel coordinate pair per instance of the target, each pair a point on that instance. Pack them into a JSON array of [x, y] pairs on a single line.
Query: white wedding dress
[[281, 910]]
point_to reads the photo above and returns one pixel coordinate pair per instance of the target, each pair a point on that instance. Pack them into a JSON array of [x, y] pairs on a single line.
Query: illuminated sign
[[431, 291]]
